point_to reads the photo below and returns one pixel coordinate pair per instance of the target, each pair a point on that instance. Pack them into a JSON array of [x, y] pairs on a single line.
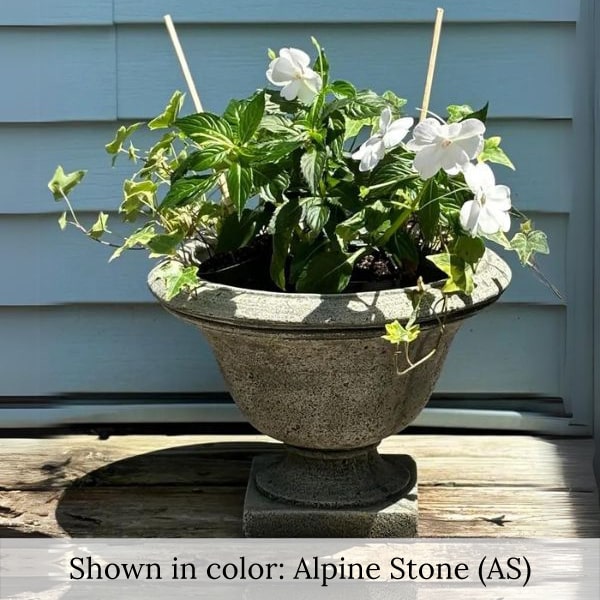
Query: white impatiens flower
[[390, 134], [449, 146], [488, 212], [292, 73]]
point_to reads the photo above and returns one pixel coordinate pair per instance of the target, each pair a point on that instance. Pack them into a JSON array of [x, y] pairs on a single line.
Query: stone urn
[[313, 371]]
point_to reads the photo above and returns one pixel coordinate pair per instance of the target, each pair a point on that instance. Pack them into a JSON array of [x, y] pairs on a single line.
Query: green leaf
[[403, 247], [429, 210], [236, 231], [251, 117], [165, 243], [286, 219], [302, 253], [470, 249], [136, 196], [493, 153], [177, 278], [460, 274], [140, 238], [343, 89], [480, 114], [210, 157], [62, 183], [121, 136], [206, 128], [316, 214], [271, 54], [312, 165], [272, 151], [327, 272], [397, 334], [62, 221], [528, 242], [169, 115], [321, 64], [457, 112], [239, 185], [396, 102], [98, 229], [186, 190]]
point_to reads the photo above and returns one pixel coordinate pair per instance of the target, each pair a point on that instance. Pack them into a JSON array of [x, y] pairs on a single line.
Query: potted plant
[[348, 245]]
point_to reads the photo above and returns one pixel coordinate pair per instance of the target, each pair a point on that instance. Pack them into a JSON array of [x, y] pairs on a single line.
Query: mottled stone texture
[[313, 371], [264, 517], [326, 390]]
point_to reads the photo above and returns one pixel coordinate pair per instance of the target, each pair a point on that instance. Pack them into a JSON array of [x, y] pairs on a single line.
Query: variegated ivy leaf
[[493, 153], [62, 183], [459, 272], [397, 333], [527, 242], [177, 278], [98, 229]]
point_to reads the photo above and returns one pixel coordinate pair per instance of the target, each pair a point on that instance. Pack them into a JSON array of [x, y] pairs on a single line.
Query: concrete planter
[[313, 372]]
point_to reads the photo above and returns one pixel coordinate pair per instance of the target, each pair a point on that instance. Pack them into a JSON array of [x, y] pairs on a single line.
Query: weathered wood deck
[[158, 486]]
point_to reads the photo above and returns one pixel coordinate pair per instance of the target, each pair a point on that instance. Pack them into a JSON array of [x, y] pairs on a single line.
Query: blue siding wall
[[74, 70]]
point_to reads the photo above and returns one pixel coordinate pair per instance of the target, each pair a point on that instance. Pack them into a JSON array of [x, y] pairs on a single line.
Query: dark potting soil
[[248, 267]]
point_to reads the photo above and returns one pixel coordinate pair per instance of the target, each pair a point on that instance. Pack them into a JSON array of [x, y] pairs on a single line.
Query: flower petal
[[397, 131], [426, 132], [291, 89], [489, 220], [428, 160], [498, 197], [306, 91], [453, 158], [469, 216], [470, 128], [479, 177], [298, 57], [370, 153], [385, 119], [280, 71]]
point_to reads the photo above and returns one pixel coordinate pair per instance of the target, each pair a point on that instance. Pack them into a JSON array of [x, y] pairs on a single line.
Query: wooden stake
[[437, 30], [193, 91]]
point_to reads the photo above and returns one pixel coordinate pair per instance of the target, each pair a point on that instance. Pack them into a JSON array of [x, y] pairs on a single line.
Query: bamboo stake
[[437, 30], [193, 91]]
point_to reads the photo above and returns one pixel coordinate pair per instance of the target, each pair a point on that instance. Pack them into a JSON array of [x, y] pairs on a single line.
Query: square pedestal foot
[[264, 517]]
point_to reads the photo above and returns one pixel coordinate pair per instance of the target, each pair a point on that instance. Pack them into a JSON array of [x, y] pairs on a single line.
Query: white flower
[[488, 212], [390, 134], [291, 72], [448, 146]]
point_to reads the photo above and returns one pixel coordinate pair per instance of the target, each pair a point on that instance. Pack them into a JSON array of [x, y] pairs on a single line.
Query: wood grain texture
[[193, 486], [56, 12], [350, 11], [512, 66], [104, 349], [541, 150], [58, 74]]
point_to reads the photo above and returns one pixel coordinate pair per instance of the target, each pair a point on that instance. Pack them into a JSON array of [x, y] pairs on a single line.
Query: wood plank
[[77, 271], [58, 74], [112, 349], [317, 11], [56, 12], [174, 500], [225, 460], [516, 65]]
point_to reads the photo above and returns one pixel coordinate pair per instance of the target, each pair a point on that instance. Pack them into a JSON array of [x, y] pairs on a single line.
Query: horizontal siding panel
[[542, 151], [108, 349], [57, 74], [522, 70], [56, 267], [56, 12], [353, 11]]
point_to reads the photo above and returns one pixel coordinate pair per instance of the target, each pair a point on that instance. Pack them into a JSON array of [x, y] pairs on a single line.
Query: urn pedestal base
[[394, 516]]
